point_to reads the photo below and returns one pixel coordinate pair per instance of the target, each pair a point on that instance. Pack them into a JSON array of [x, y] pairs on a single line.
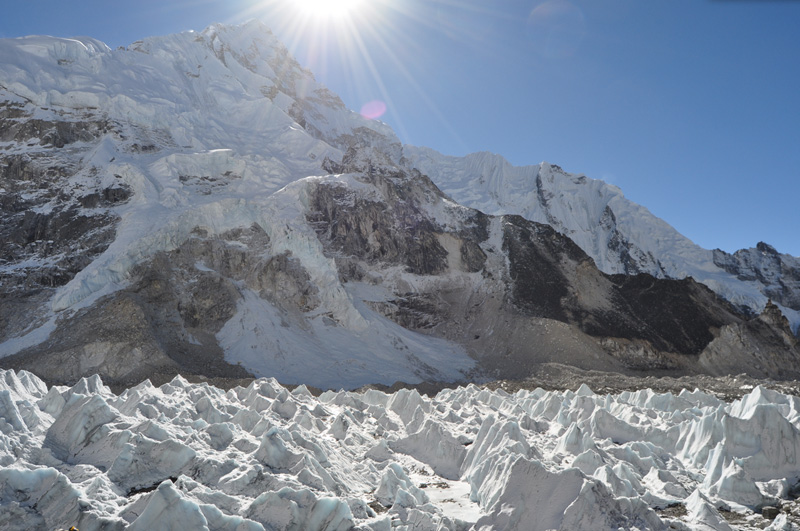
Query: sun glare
[[348, 39], [328, 8]]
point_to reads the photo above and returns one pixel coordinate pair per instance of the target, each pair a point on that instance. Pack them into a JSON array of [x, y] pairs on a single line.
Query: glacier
[[264, 457]]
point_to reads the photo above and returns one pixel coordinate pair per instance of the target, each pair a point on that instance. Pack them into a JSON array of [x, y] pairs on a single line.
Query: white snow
[[262, 457], [225, 150], [594, 214], [204, 134]]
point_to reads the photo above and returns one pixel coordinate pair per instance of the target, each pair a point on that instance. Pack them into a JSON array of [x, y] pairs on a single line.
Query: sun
[[328, 8]]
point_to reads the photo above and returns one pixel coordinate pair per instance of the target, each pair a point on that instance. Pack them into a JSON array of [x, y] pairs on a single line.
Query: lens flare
[[372, 110], [339, 39], [556, 28]]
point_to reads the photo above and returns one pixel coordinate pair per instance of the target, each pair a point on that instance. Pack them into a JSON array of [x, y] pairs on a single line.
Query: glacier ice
[[263, 457]]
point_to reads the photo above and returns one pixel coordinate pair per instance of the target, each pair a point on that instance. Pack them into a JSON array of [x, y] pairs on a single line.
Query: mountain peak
[[766, 248], [252, 26]]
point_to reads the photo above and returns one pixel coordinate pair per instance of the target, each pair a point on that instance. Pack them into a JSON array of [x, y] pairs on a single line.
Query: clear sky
[[692, 107]]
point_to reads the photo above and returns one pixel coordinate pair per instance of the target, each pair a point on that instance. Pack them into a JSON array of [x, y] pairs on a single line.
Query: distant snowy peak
[[620, 235], [778, 272], [584, 209]]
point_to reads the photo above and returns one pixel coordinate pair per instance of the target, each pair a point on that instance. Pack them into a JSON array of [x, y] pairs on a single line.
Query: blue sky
[[692, 107]]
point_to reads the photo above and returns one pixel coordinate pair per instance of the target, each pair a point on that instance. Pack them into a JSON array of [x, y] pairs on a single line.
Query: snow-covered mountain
[[621, 236], [115, 156], [199, 204]]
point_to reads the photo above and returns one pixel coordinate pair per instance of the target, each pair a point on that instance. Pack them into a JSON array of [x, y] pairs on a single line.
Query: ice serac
[[619, 235], [261, 457]]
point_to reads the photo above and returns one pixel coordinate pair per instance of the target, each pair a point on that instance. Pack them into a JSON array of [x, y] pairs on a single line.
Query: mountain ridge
[[621, 236], [199, 214]]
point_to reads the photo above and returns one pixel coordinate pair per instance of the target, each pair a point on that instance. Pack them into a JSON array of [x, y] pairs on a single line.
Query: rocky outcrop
[[42, 225], [164, 323], [763, 347], [56, 217], [552, 277], [17, 124]]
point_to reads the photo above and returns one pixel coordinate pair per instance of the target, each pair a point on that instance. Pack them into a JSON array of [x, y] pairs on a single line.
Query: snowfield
[[189, 456]]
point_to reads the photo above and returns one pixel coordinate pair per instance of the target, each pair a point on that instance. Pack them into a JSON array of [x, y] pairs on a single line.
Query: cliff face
[[56, 216]]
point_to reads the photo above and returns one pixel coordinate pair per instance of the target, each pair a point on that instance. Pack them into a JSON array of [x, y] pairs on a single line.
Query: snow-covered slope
[[198, 132], [228, 85], [199, 204], [185, 115], [621, 236], [184, 456]]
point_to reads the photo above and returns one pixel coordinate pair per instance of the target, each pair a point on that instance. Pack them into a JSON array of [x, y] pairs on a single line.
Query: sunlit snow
[[263, 457]]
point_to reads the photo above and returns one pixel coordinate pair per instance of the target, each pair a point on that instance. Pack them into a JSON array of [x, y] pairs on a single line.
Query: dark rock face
[[114, 338], [538, 281], [370, 230], [416, 311], [17, 125], [393, 229], [633, 260], [107, 197], [552, 277], [763, 347], [673, 315], [772, 316], [48, 233]]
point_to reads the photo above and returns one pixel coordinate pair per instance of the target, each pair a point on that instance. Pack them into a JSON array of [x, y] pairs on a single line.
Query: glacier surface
[[194, 456]]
